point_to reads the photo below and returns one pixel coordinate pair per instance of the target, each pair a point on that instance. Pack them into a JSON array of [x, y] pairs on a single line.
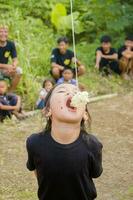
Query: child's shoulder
[[10, 43], [92, 141], [60, 80], [99, 48], [35, 138], [73, 81]]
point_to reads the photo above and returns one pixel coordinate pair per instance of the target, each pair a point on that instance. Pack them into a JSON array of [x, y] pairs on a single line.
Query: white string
[[74, 46]]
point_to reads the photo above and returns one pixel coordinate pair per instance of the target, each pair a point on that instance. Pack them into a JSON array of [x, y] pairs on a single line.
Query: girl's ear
[[47, 113], [85, 117]]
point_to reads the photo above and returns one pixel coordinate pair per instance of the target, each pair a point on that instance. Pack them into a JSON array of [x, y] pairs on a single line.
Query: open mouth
[[68, 104]]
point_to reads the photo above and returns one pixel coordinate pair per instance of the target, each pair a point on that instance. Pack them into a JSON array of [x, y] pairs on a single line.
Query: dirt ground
[[112, 124]]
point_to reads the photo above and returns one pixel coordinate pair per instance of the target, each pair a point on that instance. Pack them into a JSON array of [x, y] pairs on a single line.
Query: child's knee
[[19, 71], [81, 70]]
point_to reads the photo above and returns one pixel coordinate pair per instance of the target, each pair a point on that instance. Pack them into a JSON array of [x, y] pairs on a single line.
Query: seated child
[[125, 54], [106, 57], [67, 77], [9, 103], [46, 87]]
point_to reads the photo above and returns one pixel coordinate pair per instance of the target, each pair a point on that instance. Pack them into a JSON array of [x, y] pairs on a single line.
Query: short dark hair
[[63, 39], [105, 38], [67, 68], [47, 80], [129, 37]]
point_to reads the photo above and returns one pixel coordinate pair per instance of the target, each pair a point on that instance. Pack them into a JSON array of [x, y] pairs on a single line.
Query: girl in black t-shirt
[[64, 157]]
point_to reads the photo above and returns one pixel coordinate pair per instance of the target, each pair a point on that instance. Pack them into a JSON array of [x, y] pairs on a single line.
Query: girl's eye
[[61, 91]]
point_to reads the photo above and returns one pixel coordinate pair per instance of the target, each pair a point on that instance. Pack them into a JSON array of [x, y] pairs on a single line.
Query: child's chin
[[71, 119]]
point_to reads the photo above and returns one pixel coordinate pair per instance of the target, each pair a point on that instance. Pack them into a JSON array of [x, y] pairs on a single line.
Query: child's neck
[[67, 81], [106, 50], [1, 94], [3, 44], [65, 133]]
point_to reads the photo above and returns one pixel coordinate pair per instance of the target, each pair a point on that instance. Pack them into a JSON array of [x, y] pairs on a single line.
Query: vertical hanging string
[[74, 46]]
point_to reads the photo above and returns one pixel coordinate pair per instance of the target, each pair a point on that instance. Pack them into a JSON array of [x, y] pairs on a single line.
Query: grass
[[128, 194]]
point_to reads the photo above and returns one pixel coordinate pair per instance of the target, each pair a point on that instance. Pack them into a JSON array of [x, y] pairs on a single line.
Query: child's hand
[[42, 97], [97, 66], [61, 68], [1, 106]]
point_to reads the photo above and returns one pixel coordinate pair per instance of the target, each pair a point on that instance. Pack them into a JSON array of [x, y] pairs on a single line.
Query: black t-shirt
[[7, 51], [62, 59], [120, 51], [111, 52], [65, 172]]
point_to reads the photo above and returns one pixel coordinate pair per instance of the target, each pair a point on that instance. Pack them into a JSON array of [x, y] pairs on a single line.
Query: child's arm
[[42, 94], [98, 58], [5, 107], [95, 155], [96, 158], [111, 57], [8, 107], [127, 54], [18, 105], [29, 146], [78, 62]]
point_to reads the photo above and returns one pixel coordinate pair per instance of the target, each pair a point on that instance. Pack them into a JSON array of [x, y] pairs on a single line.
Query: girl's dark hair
[[84, 124], [47, 80]]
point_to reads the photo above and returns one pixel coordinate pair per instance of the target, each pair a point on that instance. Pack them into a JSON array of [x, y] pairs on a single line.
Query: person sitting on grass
[[106, 57], [63, 57], [64, 157], [46, 87], [8, 49], [9, 103], [125, 54], [67, 77]]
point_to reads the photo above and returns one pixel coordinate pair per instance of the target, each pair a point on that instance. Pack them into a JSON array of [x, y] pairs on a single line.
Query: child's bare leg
[[81, 70], [14, 82], [19, 115], [15, 79], [56, 73]]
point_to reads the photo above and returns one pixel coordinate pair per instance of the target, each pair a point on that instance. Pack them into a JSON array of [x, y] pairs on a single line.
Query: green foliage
[[35, 26], [63, 22]]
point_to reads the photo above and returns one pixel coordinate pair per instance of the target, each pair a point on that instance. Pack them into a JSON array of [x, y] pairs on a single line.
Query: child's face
[[60, 107], [67, 74], [3, 87], [106, 45], [129, 44], [48, 86], [62, 47], [3, 34]]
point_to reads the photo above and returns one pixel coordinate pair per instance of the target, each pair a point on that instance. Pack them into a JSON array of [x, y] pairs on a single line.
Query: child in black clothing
[[64, 157], [9, 103], [106, 57], [125, 54]]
